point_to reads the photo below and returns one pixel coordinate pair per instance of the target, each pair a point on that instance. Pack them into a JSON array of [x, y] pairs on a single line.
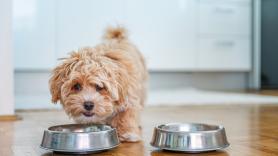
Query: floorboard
[[251, 130]]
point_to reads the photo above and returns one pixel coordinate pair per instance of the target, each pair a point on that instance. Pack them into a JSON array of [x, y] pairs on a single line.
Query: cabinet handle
[[222, 10], [227, 44]]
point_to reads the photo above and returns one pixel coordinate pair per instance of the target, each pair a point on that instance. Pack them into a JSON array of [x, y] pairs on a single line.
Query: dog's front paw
[[130, 137]]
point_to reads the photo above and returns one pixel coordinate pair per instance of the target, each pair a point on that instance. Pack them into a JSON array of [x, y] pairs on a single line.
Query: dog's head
[[90, 87]]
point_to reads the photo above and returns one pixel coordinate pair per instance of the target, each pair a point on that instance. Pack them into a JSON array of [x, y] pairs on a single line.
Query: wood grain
[[252, 130], [9, 118]]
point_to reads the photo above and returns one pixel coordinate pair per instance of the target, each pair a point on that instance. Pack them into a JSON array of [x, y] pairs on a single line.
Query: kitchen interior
[[209, 61]]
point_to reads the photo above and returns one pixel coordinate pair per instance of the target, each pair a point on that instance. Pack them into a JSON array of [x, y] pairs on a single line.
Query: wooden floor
[[251, 130]]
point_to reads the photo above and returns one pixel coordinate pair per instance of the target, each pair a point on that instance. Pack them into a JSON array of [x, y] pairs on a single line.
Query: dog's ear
[[122, 75], [55, 83], [60, 75]]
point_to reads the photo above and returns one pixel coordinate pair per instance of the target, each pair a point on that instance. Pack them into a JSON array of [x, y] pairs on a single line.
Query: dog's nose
[[88, 105]]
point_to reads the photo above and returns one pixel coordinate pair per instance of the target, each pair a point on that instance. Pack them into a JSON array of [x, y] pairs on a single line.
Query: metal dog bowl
[[79, 139], [189, 137]]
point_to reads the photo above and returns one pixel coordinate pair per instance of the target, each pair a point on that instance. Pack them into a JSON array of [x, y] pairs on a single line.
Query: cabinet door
[[224, 54], [224, 18], [82, 23], [240, 2], [164, 30], [34, 34]]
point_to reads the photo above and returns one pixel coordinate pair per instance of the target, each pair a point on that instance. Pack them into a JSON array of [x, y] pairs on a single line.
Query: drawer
[[224, 19], [240, 2], [224, 53]]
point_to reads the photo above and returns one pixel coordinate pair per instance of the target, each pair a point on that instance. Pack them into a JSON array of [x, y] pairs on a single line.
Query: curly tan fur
[[112, 76]]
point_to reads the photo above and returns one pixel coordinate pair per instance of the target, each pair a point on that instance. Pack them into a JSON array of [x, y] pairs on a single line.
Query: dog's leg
[[127, 125]]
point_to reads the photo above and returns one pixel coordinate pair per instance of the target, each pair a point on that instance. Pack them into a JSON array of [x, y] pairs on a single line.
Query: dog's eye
[[98, 88], [77, 87]]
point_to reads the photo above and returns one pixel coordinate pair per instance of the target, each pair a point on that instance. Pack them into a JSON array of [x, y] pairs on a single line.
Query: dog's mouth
[[88, 114]]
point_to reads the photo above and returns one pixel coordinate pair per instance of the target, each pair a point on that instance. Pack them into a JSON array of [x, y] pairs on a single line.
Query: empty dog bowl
[[189, 137], [79, 139]]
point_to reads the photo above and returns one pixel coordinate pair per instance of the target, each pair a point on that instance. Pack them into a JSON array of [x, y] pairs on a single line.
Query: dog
[[105, 84]]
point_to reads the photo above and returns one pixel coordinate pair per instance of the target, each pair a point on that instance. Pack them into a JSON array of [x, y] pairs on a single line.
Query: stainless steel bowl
[[78, 138], [189, 137]]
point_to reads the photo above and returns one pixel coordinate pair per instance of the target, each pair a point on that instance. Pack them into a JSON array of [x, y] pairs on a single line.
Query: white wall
[[6, 65]]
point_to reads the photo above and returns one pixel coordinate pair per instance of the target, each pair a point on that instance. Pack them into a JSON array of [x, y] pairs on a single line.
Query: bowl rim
[[63, 132], [219, 128]]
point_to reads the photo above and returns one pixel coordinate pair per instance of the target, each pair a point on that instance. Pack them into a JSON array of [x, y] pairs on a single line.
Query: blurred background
[[197, 51]]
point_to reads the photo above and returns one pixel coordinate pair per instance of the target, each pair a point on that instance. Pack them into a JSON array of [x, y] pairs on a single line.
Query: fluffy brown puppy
[[103, 84]]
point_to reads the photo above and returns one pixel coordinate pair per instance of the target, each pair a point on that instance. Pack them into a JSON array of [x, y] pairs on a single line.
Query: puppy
[[105, 84]]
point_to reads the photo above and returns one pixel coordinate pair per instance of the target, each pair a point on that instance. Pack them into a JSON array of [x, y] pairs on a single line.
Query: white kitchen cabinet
[[224, 42], [173, 35], [82, 23], [224, 54], [238, 2], [165, 31], [34, 34], [224, 18]]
